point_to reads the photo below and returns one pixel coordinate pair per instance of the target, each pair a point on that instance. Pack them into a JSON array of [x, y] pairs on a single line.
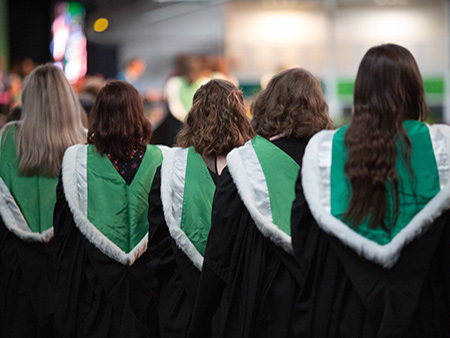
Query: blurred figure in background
[[101, 227], [30, 162], [180, 90], [178, 228], [216, 67], [178, 93], [11, 95], [14, 90], [132, 73], [91, 88]]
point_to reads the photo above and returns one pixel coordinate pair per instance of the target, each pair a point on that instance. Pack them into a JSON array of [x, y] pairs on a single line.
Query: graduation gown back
[[248, 285], [26, 247], [26, 292], [353, 290], [344, 295], [95, 294], [174, 276]]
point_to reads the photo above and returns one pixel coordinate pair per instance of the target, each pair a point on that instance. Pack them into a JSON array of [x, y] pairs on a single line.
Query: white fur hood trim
[[14, 220], [251, 184], [315, 186], [75, 190], [173, 173]]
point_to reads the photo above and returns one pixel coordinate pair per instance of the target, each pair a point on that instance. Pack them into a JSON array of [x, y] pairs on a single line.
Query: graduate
[[371, 219], [102, 287], [248, 283], [31, 152], [181, 197]]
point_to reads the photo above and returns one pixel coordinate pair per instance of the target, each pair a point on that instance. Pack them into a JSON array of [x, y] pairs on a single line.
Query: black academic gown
[[26, 293], [249, 285], [175, 278], [95, 296], [345, 295]]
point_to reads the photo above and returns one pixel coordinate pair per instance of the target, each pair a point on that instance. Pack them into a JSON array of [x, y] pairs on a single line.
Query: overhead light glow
[[101, 24]]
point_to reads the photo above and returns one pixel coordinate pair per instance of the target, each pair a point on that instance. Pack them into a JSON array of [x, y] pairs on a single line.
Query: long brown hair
[[117, 123], [292, 104], [388, 91], [217, 121]]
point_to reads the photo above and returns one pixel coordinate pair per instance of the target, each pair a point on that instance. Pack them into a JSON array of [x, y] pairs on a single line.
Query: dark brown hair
[[388, 91], [117, 123], [292, 104], [217, 121]]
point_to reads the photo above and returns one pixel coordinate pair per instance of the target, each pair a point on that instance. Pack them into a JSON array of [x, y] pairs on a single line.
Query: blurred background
[[147, 42]]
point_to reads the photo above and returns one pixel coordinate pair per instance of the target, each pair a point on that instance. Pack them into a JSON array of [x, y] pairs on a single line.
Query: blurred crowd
[[168, 104]]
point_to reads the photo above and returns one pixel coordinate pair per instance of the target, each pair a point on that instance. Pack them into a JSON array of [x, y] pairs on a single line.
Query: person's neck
[[215, 164]]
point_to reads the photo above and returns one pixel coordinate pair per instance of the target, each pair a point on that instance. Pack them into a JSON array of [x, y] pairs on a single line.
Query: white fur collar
[[75, 190], [251, 184], [316, 189], [173, 172]]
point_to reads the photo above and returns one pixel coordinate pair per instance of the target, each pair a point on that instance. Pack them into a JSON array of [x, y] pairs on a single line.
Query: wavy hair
[[217, 121], [292, 104], [388, 91], [50, 122], [117, 123]]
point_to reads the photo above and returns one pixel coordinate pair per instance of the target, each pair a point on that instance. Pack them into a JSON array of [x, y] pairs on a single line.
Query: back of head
[[388, 88], [51, 121], [292, 105], [217, 121], [117, 123], [388, 91]]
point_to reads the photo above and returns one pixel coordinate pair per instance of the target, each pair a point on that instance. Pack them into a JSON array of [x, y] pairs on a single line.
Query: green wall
[[434, 88]]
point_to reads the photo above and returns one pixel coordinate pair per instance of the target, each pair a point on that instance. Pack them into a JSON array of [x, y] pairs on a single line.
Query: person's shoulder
[[325, 133], [444, 128]]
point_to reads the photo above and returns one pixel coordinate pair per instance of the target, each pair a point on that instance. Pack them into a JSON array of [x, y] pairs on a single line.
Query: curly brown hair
[[292, 104], [388, 91], [217, 121], [117, 123]]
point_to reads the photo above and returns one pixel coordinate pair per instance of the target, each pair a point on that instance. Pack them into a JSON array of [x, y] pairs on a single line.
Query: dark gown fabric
[[167, 131], [248, 286], [95, 296], [26, 293], [344, 295], [175, 278]]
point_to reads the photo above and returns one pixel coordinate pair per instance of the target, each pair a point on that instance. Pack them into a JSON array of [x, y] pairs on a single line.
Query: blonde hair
[[51, 122]]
